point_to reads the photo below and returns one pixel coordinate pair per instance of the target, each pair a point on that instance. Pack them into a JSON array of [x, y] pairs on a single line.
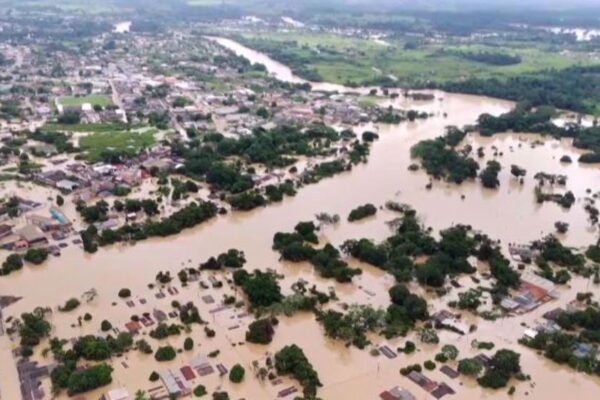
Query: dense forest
[[575, 88]]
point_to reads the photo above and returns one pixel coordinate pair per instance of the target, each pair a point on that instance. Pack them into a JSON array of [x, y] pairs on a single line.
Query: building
[[57, 221], [175, 382], [397, 394], [5, 230], [446, 320], [67, 185], [534, 290], [117, 394], [32, 235]]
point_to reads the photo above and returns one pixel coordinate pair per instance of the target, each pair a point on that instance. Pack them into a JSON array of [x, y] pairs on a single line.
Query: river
[[509, 214]]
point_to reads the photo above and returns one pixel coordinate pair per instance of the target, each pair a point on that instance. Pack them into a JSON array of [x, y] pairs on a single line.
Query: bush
[[485, 345], [407, 370], [361, 212], [13, 262], [470, 367], [105, 326], [36, 256], [409, 347], [70, 305], [144, 347], [429, 336], [236, 375], [124, 293], [188, 344], [26, 351], [220, 396], [87, 317], [154, 376], [210, 333], [291, 360], [429, 365], [166, 353], [200, 391]]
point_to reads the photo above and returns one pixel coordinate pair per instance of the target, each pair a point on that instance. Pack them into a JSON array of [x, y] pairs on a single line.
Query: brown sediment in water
[[510, 214]]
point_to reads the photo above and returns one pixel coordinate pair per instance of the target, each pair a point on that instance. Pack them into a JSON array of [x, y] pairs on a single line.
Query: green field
[[131, 142], [91, 99], [109, 127], [353, 60]]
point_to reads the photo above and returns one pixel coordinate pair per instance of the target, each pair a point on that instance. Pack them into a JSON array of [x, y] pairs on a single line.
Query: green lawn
[[108, 127], [92, 99], [344, 60], [127, 141]]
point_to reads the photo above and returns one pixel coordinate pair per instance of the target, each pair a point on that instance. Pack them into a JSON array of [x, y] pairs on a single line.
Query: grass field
[[345, 60], [92, 99], [92, 128], [126, 141]]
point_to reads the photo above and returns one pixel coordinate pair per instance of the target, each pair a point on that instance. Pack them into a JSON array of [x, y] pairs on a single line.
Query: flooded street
[[510, 214]]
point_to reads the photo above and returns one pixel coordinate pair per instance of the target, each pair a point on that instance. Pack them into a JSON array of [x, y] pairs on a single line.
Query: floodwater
[[509, 214]]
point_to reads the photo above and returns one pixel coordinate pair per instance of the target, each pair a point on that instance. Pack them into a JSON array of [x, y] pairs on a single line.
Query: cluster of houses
[[533, 292], [87, 182], [36, 231]]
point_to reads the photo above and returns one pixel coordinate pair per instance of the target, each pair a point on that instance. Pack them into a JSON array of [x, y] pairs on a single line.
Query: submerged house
[[397, 394], [444, 319], [533, 292], [31, 236], [175, 382]]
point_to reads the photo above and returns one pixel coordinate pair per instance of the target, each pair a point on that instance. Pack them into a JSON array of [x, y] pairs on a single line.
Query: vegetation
[[574, 88], [440, 158], [89, 379], [470, 367], [232, 258], [524, 118], [36, 255], [200, 391], [574, 344], [33, 328], [116, 146], [362, 212], [290, 360], [261, 288], [352, 326], [166, 353], [327, 261], [260, 331], [504, 365], [236, 375], [13, 262], [189, 216], [70, 305], [489, 176]]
